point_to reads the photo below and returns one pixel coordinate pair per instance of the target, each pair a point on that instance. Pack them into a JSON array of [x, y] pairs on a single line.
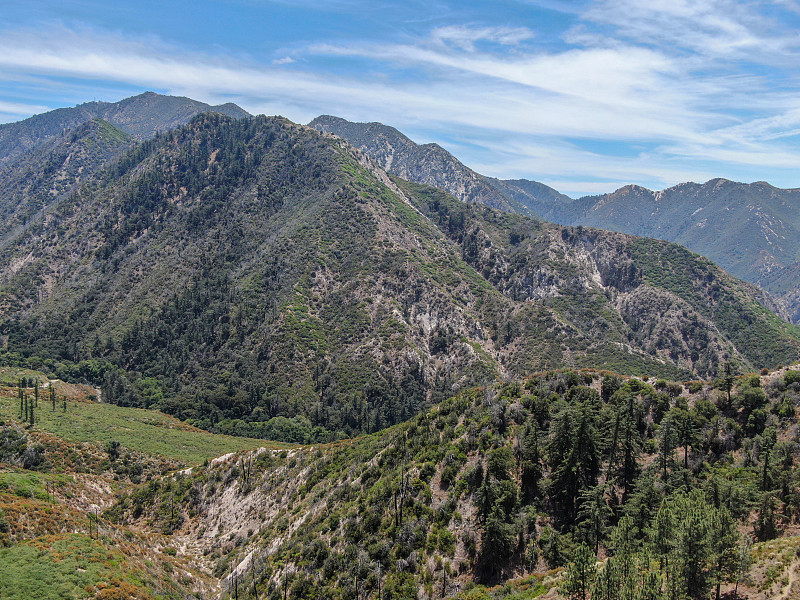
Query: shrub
[[791, 377]]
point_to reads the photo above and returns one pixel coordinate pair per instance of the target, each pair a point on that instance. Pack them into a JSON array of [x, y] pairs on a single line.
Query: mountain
[[751, 230], [264, 279], [494, 493], [433, 165], [46, 156], [140, 116], [259, 277], [33, 181]]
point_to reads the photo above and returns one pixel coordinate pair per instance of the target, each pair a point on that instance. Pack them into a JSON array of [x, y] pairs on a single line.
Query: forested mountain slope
[[433, 165], [567, 483], [265, 279], [750, 230], [139, 116], [676, 491], [30, 183]]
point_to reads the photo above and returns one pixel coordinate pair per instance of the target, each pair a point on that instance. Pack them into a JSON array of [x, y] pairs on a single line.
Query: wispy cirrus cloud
[[721, 29], [465, 37], [14, 109], [659, 91], [520, 99]]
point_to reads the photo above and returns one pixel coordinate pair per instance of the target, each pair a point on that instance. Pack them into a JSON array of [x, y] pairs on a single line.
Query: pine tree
[[768, 440], [594, 514], [765, 528], [608, 581], [724, 547], [531, 467], [575, 460], [693, 544], [649, 584], [728, 379], [625, 542], [662, 535], [580, 574]]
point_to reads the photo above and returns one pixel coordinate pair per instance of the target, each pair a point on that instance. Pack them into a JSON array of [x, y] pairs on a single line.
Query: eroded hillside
[[508, 485], [261, 278]]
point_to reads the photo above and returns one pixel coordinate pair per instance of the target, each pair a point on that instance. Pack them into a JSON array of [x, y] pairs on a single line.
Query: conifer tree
[[608, 581], [693, 544], [531, 468], [580, 574], [768, 439], [662, 535], [624, 541], [630, 445], [728, 379], [575, 460], [724, 547], [594, 514]]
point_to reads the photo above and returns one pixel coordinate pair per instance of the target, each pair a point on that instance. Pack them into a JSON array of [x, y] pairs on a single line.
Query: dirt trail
[[787, 590]]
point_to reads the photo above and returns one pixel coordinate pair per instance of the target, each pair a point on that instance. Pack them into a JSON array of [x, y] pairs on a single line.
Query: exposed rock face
[[751, 230], [433, 165], [251, 269]]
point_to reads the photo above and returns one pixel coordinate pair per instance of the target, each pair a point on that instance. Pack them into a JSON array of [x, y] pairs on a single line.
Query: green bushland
[[74, 566], [519, 478]]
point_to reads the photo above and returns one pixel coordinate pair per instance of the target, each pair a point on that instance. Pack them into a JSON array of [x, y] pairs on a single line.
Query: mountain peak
[[140, 116], [633, 188], [431, 164]]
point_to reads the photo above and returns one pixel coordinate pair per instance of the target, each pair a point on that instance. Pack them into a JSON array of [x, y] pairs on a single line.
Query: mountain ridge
[[429, 164], [237, 272], [140, 116], [751, 230]]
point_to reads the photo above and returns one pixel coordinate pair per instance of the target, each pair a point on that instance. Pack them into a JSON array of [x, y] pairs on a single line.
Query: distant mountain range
[[240, 271], [141, 117], [751, 230]]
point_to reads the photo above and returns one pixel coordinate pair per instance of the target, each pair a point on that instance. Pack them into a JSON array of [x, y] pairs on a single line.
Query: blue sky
[[584, 96]]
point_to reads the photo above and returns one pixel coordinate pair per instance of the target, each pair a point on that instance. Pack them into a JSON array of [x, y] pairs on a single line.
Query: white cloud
[[464, 37], [719, 29], [521, 98], [19, 109], [660, 80]]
